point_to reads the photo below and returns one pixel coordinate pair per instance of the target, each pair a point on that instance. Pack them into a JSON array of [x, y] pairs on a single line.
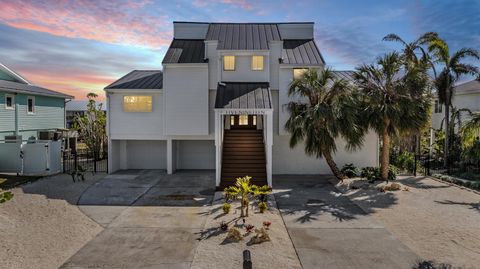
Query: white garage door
[[195, 154], [146, 154]]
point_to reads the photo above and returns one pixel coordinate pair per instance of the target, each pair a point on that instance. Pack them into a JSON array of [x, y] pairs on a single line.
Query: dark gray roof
[[185, 51], [243, 36], [303, 51], [81, 105], [139, 79], [468, 87], [243, 95], [346, 75], [11, 86]]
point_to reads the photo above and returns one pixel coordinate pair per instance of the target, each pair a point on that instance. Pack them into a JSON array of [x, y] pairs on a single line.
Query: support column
[[218, 147], [268, 125], [123, 154], [170, 156]]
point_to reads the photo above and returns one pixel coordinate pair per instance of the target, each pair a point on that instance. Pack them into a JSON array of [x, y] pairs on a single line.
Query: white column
[[218, 148], [269, 142], [170, 156]]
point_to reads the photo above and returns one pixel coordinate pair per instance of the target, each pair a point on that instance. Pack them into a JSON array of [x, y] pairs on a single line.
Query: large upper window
[[257, 63], [229, 63], [298, 72], [9, 101], [137, 103], [31, 105]]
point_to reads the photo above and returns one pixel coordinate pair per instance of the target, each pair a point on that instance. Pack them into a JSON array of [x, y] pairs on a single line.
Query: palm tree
[[395, 100], [328, 110], [452, 69], [410, 50], [470, 131]]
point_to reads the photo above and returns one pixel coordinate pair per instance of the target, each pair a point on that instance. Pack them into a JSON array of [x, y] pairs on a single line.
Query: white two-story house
[[219, 103]]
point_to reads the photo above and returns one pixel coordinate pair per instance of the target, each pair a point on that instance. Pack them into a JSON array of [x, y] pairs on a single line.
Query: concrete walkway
[[151, 219], [329, 231]]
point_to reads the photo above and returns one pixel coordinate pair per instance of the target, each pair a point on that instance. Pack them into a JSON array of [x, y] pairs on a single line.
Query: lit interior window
[[232, 120], [243, 120], [298, 72], [229, 63], [257, 63], [137, 103], [255, 120]]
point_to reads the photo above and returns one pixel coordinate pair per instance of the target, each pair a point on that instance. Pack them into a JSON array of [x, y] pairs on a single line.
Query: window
[[229, 63], [438, 107], [139, 103], [243, 120], [255, 120], [232, 120], [298, 72], [9, 101], [257, 63], [31, 105]]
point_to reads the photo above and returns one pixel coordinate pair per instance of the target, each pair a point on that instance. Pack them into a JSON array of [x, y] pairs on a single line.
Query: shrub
[[226, 208], [262, 206], [405, 161], [234, 234], [392, 187], [373, 173], [349, 170]]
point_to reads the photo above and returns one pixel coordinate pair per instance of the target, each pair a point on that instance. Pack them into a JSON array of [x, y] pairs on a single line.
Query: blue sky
[[81, 46]]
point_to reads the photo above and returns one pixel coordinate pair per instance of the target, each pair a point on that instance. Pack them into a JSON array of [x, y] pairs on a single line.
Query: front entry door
[[243, 122]]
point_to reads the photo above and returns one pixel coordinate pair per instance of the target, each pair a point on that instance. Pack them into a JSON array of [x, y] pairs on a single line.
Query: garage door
[[146, 154], [195, 154]]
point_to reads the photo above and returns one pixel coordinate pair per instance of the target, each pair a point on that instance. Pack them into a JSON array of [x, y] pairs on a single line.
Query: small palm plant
[[243, 191], [262, 195]]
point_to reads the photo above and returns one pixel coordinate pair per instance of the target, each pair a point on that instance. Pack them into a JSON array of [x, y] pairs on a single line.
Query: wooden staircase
[[243, 155]]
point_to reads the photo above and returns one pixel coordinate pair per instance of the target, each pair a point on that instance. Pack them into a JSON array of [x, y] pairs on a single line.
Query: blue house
[[26, 109]]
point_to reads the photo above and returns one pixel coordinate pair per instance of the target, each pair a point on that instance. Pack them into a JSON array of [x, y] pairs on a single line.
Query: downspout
[[16, 115]]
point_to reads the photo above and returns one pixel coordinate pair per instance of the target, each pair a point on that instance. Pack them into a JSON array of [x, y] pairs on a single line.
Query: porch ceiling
[[243, 95]]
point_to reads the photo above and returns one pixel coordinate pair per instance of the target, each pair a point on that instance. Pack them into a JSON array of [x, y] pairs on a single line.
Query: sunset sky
[[81, 46]]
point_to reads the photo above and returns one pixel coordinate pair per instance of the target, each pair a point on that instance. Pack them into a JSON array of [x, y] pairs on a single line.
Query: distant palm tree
[[470, 131], [327, 110], [395, 100], [452, 68]]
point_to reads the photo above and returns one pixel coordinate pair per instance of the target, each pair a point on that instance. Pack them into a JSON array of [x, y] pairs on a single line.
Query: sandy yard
[[41, 226], [440, 222]]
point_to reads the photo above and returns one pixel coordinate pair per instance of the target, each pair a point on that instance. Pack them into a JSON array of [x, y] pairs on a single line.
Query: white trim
[[13, 90], [14, 74], [133, 91], [13, 101], [300, 66], [34, 109], [177, 65], [244, 52]]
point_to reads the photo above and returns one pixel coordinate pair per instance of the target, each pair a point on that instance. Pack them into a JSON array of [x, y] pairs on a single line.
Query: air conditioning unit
[[13, 139]]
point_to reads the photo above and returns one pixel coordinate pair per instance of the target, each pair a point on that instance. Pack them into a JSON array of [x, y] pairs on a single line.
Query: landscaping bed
[[468, 183], [8, 181], [218, 251]]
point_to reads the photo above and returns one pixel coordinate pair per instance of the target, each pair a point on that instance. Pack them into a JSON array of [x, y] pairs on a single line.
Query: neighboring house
[[77, 108], [467, 95], [219, 103], [26, 109]]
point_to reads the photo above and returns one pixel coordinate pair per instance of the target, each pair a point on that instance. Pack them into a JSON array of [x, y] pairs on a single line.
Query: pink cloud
[[110, 21]]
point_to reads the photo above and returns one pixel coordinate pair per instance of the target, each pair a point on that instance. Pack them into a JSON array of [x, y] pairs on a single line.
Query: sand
[[438, 221], [215, 252], [41, 227]]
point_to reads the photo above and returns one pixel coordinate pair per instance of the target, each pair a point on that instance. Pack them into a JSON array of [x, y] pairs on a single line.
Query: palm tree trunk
[[385, 154], [446, 150], [333, 166]]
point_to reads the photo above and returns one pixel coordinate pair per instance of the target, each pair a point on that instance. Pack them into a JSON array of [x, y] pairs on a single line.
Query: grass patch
[[12, 181]]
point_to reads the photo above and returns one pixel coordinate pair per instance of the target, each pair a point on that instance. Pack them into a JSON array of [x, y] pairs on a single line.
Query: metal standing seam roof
[[301, 51], [468, 87], [81, 105], [139, 79], [347, 75], [243, 95], [243, 36], [185, 51], [11, 86]]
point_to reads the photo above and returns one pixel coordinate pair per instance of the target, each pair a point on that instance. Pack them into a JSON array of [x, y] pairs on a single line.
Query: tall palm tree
[[326, 111], [452, 68], [411, 50], [395, 100]]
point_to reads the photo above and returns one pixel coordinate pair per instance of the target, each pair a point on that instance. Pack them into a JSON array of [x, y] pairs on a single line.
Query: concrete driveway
[[151, 219], [330, 231]]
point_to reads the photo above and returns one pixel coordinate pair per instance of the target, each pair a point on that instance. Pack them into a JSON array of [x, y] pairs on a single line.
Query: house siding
[[49, 115]]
